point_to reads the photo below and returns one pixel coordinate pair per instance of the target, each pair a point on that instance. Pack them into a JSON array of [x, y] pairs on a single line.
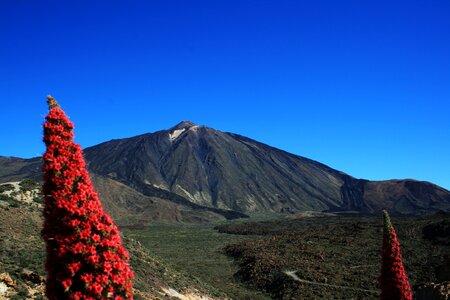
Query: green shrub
[[13, 203], [6, 187], [29, 184], [38, 199], [7, 198]]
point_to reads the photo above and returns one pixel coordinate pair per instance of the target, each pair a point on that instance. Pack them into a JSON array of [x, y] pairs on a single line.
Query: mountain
[[230, 171], [16, 169], [203, 168]]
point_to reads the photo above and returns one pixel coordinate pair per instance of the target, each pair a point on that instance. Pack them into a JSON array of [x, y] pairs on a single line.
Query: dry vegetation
[[336, 257], [21, 247]]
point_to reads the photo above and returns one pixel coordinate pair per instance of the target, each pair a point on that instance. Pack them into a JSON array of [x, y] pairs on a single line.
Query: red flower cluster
[[85, 256], [393, 279]]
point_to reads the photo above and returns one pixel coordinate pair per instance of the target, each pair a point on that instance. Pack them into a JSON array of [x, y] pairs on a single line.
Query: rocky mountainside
[[204, 169], [229, 171]]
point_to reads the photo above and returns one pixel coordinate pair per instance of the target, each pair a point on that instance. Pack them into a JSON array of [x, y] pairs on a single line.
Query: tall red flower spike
[[85, 256], [393, 279]]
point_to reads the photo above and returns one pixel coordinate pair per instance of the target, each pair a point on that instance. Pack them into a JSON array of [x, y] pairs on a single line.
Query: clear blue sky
[[362, 86]]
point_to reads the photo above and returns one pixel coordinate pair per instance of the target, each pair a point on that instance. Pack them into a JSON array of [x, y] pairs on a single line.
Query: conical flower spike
[[393, 279], [85, 256]]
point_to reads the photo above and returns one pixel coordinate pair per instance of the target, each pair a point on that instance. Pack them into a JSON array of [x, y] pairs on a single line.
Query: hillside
[[126, 205], [22, 256]]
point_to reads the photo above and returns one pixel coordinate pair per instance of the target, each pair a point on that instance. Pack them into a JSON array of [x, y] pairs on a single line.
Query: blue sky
[[362, 86]]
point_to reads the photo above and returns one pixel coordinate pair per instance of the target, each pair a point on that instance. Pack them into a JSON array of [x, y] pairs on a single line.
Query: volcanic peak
[[183, 125]]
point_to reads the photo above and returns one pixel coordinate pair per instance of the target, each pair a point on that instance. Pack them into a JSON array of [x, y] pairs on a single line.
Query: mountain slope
[[16, 169], [132, 208], [127, 205], [217, 169], [224, 170], [203, 169]]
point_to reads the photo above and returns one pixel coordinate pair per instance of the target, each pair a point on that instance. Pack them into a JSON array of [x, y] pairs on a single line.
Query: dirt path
[[296, 278]]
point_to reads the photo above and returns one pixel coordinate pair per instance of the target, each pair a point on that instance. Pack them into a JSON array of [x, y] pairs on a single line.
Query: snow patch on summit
[[176, 133]]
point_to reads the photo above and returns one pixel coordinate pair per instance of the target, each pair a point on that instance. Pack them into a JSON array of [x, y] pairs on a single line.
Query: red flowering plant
[[393, 279], [85, 256]]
